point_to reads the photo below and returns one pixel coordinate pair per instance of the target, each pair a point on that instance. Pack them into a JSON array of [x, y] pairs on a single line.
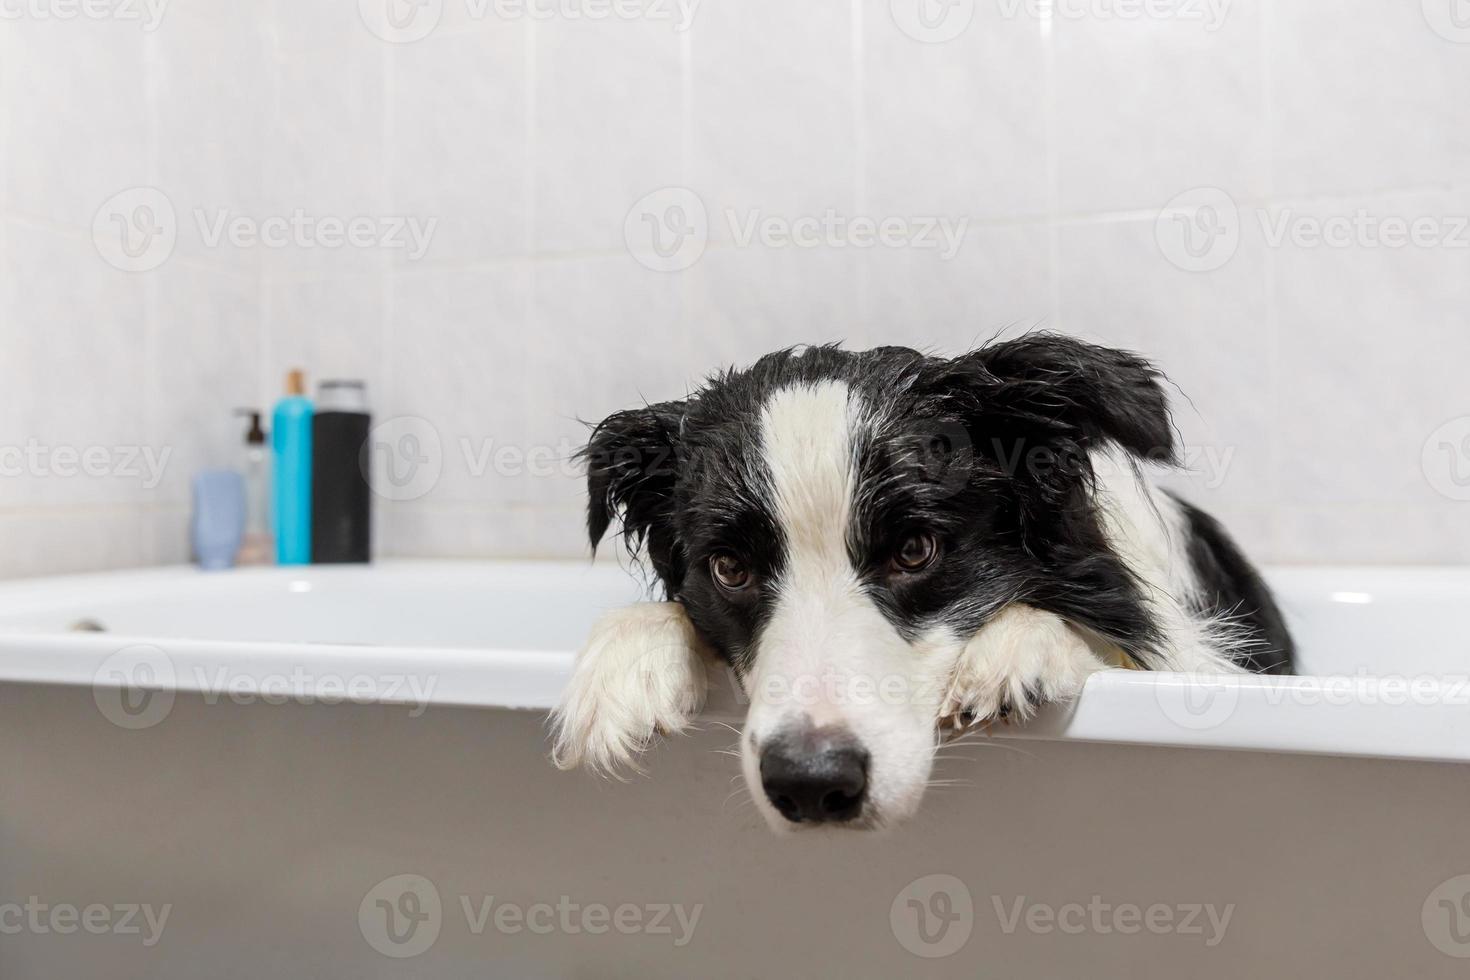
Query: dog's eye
[[729, 572], [916, 552]]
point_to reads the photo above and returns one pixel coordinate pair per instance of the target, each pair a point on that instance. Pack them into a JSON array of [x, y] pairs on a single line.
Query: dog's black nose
[[815, 775]]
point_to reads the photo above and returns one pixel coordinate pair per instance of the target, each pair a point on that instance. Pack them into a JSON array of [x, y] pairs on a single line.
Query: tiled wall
[[1320, 375]]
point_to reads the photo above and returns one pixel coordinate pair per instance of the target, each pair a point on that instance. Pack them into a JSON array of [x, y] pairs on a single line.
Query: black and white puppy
[[881, 543]]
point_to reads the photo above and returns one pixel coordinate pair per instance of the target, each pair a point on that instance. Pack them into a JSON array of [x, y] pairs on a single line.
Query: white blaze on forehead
[[828, 657], [806, 442], [820, 611]]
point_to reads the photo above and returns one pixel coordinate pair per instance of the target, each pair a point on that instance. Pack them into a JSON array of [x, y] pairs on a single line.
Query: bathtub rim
[[1270, 714]]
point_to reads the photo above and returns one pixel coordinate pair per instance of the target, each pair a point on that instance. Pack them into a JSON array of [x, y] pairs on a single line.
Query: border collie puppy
[[883, 545]]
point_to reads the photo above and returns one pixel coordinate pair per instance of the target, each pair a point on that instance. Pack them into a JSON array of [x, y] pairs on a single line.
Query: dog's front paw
[[641, 675], [1021, 659]]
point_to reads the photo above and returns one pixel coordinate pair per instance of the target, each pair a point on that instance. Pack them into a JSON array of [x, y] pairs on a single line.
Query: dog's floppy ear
[[1100, 393], [631, 467]]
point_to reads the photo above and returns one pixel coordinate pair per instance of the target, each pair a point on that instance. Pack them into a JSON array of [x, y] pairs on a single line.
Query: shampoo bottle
[[291, 468], [341, 504]]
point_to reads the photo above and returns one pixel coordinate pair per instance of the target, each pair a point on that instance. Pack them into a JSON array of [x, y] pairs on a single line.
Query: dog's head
[[839, 524]]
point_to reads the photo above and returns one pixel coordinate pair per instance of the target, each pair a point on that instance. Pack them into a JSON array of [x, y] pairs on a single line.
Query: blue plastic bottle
[[219, 518], [291, 446]]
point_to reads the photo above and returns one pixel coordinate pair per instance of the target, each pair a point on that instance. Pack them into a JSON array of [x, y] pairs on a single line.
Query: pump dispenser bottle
[[257, 547]]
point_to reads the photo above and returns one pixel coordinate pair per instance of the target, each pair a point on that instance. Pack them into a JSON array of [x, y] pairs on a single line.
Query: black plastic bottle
[[341, 502]]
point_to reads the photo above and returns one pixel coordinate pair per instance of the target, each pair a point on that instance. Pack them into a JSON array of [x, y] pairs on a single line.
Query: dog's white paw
[[642, 674], [1023, 658]]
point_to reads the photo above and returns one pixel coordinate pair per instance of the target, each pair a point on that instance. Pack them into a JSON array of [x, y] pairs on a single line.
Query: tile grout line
[[686, 176], [1269, 272], [146, 532], [861, 149], [1053, 168], [388, 289], [530, 46]]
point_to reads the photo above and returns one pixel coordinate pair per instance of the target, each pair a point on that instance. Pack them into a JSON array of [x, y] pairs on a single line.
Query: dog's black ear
[[631, 463], [1100, 393]]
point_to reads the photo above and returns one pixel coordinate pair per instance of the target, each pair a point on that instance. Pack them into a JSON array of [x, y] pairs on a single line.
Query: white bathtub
[[203, 753]]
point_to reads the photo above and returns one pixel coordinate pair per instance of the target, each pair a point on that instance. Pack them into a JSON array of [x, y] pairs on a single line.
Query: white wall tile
[[605, 334], [466, 16], [58, 540], [320, 23], [459, 151], [76, 346], [1374, 343], [937, 139], [165, 532], [607, 126], [1148, 107], [459, 355], [207, 363], [422, 530], [745, 302], [212, 63], [998, 279], [773, 110], [327, 137], [1365, 97], [331, 328], [1209, 332], [76, 120], [9, 92], [1428, 533], [1253, 528]]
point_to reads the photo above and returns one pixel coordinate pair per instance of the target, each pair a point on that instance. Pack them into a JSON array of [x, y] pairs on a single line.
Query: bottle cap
[[341, 395], [296, 382], [256, 435]]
